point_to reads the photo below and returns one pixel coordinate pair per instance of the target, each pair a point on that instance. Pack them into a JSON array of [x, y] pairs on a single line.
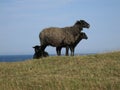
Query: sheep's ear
[[82, 21], [77, 22]]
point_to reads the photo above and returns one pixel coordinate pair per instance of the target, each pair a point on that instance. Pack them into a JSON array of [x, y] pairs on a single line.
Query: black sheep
[[62, 37], [81, 36], [38, 53]]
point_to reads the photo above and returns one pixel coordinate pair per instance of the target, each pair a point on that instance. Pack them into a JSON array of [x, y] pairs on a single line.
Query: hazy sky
[[21, 21]]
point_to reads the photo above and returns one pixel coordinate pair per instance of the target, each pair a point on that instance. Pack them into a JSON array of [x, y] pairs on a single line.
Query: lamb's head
[[36, 48], [39, 53], [82, 24], [83, 35]]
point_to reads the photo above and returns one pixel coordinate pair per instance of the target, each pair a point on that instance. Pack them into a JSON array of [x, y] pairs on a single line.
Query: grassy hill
[[90, 72]]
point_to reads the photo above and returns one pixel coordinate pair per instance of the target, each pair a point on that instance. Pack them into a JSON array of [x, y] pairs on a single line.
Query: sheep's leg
[[58, 49], [72, 51], [67, 51], [43, 47]]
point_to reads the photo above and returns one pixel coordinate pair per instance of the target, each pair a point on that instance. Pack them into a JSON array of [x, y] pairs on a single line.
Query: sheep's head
[[82, 24], [83, 35]]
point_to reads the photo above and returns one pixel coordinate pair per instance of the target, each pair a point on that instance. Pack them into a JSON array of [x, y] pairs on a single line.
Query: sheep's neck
[[78, 26]]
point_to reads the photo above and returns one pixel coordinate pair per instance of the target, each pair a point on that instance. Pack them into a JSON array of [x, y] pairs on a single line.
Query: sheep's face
[[83, 35], [36, 48], [84, 24]]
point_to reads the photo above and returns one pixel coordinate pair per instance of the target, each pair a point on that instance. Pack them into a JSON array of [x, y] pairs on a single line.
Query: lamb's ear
[[36, 46], [82, 34]]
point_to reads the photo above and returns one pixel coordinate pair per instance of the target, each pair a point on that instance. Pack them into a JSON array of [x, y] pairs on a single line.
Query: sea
[[15, 58], [18, 58]]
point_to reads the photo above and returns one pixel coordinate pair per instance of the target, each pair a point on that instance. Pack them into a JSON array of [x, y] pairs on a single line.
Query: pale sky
[[21, 21]]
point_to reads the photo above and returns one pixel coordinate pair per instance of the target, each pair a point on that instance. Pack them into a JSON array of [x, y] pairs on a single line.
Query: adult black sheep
[[81, 36], [60, 37]]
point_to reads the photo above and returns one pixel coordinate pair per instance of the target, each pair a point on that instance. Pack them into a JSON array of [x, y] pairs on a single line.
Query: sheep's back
[[52, 36], [59, 36]]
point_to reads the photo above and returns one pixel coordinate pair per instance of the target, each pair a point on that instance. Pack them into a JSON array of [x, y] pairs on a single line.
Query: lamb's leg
[[72, 51], [58, 49], [67, 51]]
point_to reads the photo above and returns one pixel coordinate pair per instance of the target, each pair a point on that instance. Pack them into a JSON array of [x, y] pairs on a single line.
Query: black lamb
[[81, 36], [38, 53]]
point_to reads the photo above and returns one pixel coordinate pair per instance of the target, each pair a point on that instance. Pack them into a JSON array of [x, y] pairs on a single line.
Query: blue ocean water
[[14, 58]]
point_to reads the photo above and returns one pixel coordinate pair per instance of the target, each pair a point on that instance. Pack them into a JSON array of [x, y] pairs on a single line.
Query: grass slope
[[90, 72]]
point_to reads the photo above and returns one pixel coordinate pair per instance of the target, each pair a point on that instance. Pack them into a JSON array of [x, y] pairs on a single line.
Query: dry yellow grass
[[90, 72]]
